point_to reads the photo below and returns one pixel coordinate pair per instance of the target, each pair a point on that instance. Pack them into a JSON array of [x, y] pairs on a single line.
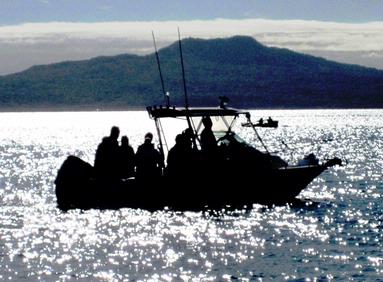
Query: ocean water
[[336, 233]]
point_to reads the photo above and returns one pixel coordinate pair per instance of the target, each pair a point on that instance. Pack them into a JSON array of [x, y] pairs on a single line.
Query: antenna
[[166, 95]]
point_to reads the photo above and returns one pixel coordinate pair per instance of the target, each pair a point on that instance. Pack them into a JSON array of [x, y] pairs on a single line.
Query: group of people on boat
[[115, 161], [185, 157], [119, 161]]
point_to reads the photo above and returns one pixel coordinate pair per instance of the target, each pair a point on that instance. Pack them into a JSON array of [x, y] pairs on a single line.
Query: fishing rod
[[185, 91], [183, 71], [166, 95], [157, 122]]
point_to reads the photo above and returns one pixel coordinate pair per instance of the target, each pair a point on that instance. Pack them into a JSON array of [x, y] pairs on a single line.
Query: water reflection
[[335, 235]]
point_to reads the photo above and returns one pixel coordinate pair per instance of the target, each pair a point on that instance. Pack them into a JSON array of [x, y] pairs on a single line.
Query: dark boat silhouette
[[238, 175], [242, 176], [269, 123]]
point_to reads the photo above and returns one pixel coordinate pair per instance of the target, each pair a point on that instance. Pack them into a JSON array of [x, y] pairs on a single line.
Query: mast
[[185, 92]]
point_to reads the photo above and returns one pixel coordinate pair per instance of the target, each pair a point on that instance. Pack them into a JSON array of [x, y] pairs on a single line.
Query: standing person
[[106, 161], [148, 160], [127, 158], [208, 141], [182, 156], [177, 157]]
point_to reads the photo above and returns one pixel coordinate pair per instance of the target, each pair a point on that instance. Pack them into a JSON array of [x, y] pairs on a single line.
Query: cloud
[[57, 41], [299, 34]]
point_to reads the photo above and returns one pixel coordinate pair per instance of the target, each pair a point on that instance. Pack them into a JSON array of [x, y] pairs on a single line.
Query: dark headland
[[249, 73]]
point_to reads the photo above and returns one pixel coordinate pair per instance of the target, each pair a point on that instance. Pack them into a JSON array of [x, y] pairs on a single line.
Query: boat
[[270, 123], [243, 176], [238, 175]]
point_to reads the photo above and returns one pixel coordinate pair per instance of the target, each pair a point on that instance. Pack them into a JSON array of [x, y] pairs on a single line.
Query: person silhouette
[[175, 156], [189, 136], [180, 157], [127, 158], [106, 160], [148, 160], [208, 141]]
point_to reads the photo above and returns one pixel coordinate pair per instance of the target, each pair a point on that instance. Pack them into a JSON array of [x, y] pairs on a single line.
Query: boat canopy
[[223, 118], [167, 112]]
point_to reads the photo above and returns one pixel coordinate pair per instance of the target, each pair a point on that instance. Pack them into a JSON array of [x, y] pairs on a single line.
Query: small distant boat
[[270, 123]]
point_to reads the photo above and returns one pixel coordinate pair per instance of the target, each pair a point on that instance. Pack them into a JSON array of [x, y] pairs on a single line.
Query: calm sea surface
[[337, 233]]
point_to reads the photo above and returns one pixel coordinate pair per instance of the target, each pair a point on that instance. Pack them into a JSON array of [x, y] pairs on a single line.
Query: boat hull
[[76, 187]]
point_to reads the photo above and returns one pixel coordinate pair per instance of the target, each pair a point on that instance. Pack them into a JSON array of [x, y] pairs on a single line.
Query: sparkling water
[[336, 233]]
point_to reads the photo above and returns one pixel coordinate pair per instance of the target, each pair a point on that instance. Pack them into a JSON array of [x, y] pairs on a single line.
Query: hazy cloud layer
[[22, 46]]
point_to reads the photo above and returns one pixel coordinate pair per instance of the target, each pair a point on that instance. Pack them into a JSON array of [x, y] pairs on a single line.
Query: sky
[[47, 31]]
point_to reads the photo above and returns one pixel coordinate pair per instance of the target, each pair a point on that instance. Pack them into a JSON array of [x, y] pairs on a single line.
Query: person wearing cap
[[148, 160]]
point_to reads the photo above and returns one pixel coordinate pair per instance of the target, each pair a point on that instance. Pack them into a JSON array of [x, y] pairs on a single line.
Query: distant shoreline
[[69, 109], [256, 77], [32, 109]]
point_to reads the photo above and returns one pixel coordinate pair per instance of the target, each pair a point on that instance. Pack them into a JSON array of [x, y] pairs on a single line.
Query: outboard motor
[[73, 183]]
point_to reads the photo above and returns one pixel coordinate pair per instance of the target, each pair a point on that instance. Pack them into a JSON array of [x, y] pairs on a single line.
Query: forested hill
[[249, 73]]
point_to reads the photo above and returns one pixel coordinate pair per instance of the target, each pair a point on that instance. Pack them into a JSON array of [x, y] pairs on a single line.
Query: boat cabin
[[223, 119]]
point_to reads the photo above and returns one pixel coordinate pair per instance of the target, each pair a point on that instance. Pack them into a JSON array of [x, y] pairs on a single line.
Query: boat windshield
[[220, 123], [223, 121], [225, 138]]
